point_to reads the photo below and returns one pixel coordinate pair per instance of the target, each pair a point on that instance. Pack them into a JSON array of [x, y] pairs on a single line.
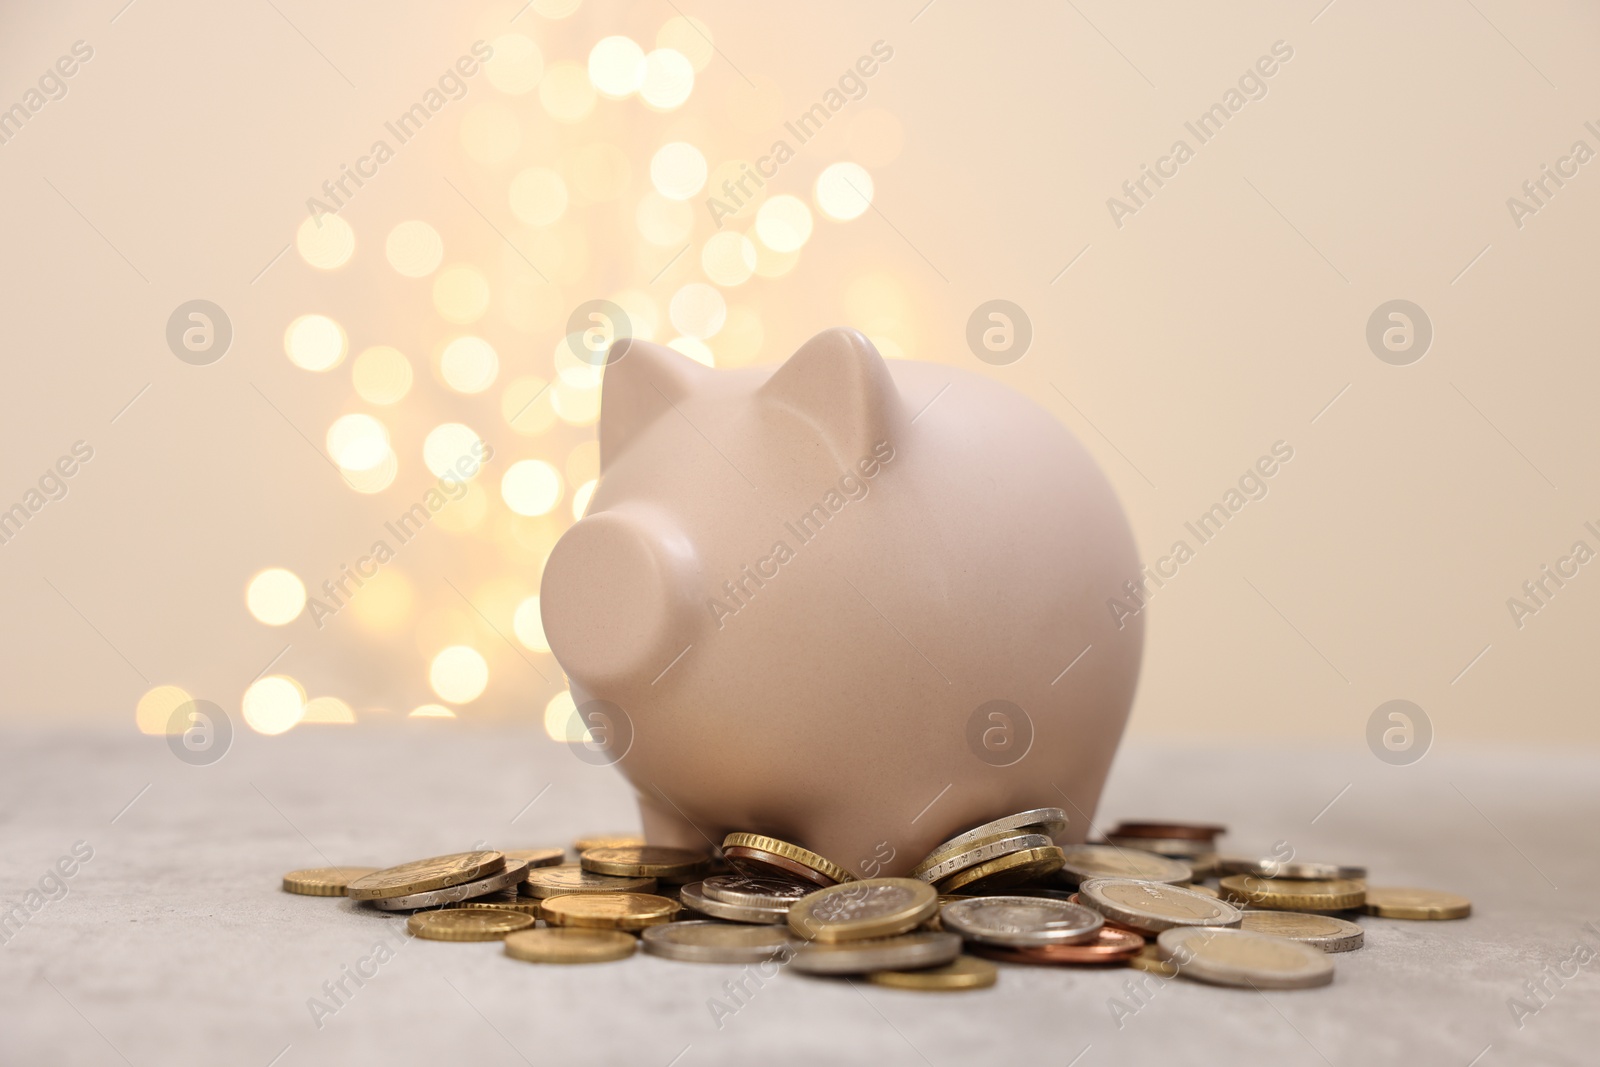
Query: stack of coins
[[1002, 891]]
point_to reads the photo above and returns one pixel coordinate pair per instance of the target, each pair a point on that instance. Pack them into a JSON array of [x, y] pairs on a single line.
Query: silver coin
[[699, 941], [1301, 870], [692, 896], [992, 850], [1020, 922], [1327, 932], [754, 891], [913, 951], [514, 872], [1176, 847], [1050, 821], [1109, 861], [1151, 907], [1244, 958]]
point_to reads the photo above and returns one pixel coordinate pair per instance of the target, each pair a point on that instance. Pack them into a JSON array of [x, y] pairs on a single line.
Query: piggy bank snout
[[613, 599]]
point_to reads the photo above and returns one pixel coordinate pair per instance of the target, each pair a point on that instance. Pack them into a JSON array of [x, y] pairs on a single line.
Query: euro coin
[[693, 897], [536, 857], [754, 851], [524, 905], [478, 924], [1108, 861], [944, 863], [1111, 945], [570, 878], [755, 892], [964, 972], [1047, 821], [567, 944], [699, 941], [1015, 869], [643, 861], [1268, 867], [584, 844], [1149, 959], [913, 951], [1285, 894], [873, 908], [433, 898], [608, 911], [1019, 922], [323, 881], [1245, 958], [1406, 903], [1151, 907], [1207, 890], [1327, 932], [420, 876]]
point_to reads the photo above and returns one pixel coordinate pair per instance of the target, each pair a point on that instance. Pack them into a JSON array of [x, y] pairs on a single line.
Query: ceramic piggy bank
[[860, 606]]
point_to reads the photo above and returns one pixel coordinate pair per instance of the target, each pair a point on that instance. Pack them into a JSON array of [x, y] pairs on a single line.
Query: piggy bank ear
[[643, 380], [839, 383], [614, 598]]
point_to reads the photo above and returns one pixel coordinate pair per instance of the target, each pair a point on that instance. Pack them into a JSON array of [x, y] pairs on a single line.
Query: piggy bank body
[[856, 605]]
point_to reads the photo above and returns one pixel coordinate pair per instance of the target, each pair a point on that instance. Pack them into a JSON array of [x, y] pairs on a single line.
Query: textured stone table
[[173, 944]]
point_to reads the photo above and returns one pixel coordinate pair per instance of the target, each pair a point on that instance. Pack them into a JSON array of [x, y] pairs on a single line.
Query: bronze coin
[[1114, 945], [756, 863]]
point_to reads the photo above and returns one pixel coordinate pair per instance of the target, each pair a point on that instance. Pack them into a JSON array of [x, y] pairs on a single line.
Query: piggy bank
[[857, 605]]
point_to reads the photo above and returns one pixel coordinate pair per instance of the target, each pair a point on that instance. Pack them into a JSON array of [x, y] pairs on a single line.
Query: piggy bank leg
[[665, 825]]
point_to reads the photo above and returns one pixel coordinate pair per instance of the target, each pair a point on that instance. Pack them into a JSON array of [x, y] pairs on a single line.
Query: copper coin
[[755, 862], [1188, 831], [1114, 945]]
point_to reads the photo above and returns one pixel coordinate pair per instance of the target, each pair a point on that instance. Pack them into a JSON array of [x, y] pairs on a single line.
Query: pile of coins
[[1003, 891]]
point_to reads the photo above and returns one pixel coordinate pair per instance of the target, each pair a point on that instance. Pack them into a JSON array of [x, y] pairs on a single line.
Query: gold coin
[[1393, 902], [1327, 932], [967, 972], [323, 881], [793, 853], [462, 924], [644, 861], [422, 876], [535, 857], [584, 844], [571, 878], [568, 944], [1149, 959], [1015, 869], [526, 906], [948, 851], [1283, 894], [875, 907], [608, 911]]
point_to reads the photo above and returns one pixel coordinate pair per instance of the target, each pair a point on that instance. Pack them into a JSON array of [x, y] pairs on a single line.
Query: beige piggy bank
[[856, 605]]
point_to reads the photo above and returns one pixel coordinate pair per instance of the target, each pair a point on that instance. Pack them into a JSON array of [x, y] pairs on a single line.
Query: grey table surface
[[173, 944]]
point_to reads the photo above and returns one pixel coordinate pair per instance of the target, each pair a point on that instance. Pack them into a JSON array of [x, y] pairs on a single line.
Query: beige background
[[1223, 317]]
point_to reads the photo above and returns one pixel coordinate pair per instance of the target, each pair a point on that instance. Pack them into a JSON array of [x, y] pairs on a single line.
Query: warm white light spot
[[770, 264], [414, 248], [531, 487], [616, 67], [153, 714], [431, 711], [454, 449], [273, 704], [694, 348], [374, 479], [469, 365], [275, 596], [678, 170], [575, 369], [668, 79], [698, 310], [690, 36], [525, 405], [561, 720], [784, 223], [490, 132], [844, 191], [581, 498], [538, 196], [314, 342], [528, 626], [573, 405], [516, 65], [459, 674], [325, 241], [663, 221], [381, 375], [358, 442], [384, 603], [328, 710], [729, 258], [566, 93], [461, 293]]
